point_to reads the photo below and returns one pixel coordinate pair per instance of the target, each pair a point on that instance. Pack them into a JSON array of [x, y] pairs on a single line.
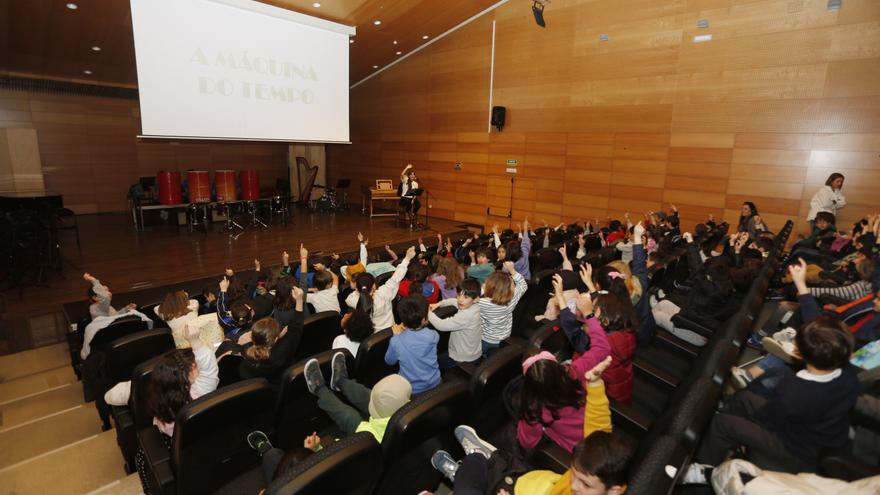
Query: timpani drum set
[[228, 192]]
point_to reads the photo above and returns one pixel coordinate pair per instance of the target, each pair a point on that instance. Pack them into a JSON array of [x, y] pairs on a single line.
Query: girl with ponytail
[[272, 346], [376, 301]]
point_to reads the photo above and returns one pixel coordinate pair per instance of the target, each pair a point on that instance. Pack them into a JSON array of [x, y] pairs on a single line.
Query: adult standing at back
[[828, 198]]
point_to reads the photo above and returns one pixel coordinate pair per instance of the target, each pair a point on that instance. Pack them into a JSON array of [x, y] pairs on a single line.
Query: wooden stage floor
[[126, 260]]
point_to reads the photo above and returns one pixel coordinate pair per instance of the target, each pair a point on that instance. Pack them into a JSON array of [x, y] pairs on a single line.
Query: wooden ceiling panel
[[45, 39]]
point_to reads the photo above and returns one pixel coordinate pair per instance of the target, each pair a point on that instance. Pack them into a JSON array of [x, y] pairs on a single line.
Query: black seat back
[[419, 428], [297, 414], [124, 354], [349, 466], [210, 448], [229, 369], [370, 364], [487, 384], [319, 330], [119, 328], [550, 337]]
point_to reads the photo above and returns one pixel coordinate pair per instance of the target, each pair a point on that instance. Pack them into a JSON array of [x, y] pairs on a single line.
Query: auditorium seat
[[319, 330], [297, 414], [348, 466], [416, 431], [648, 472], [487, 384], [228, 369], [370, 364], [209, 448], [119, 328], [122, 357]]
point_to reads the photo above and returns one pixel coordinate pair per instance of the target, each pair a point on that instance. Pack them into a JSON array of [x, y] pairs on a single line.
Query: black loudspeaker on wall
[[498, 116]]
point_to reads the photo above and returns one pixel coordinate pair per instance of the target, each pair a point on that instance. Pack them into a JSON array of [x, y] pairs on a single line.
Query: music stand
[[413, 195]]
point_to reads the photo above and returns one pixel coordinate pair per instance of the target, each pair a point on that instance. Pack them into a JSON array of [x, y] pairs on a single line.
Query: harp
[[305, 178]]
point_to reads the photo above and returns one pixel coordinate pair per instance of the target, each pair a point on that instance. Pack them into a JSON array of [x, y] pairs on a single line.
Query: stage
[[126, 260]]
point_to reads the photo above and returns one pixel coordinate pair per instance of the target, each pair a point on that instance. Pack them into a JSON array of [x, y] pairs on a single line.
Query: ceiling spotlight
[[350, 41], [72, 6], [96, 48], [377, 22], [375, 66], [394, 42], [87, 72], [425, 37], [398, 53], [316, 5]]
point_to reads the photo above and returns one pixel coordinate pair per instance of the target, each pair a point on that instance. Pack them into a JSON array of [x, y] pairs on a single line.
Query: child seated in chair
[[378, 405], [414, 346]]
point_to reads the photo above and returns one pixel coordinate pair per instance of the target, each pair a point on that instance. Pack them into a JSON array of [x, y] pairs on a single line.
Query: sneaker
[[785, 351], [695, 474], [785, 335], [472, 443], [740, 378], [338, 371], [754, 341], [443, 462], [314, 378], [259, 441]]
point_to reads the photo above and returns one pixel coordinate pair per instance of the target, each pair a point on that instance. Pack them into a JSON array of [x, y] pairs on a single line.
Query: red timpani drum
[[199, 183], [249, 180], [225, 182], [169, 188]]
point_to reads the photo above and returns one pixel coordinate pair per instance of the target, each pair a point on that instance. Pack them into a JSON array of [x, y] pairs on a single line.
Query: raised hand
[[564, 252], [410, 253], [303, 252], [312, 442], [285, 258], [191, 332], [360, 237], [798, 274], [224, 284], [595, 374], [639, 230], [557, 284], [88, 277], [297, 293], [256, 264], [688, 237], [584, 304], [508, 266]]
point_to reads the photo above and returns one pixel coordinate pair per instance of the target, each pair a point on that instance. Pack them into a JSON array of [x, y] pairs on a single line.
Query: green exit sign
[[511, 163]]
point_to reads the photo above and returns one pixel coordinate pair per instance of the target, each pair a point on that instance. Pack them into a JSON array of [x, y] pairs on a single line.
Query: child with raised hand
[[466, 335], [377, 301], [501, 293], [414, 346], [598, 466], [179, 377], [590, 344], [805, 413], [480, 267]]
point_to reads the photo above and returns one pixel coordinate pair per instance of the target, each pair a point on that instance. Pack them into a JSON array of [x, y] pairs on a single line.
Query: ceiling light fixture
[[350, 41], [87, 72], [398, 53], [377, 22], [72, 6], [316, 5], [425, 37], [375, 66], [394, 42], [96, 48]]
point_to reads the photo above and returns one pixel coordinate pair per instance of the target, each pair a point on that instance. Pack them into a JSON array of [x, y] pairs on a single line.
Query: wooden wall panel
[[91, 155], [785, 94]]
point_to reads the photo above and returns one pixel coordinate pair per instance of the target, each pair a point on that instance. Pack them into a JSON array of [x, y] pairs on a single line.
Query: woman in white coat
[[828, 198]]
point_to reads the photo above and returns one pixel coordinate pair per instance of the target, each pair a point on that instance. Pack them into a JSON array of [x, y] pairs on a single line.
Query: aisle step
[[39, 405], [26, 440], [76, 468], [25, 363], [37, 383]]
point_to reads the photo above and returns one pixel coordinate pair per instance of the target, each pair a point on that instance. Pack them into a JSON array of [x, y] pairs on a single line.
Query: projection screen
[[238, 69]]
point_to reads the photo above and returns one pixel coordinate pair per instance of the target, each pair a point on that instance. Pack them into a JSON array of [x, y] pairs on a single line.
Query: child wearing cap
[[377, 405]]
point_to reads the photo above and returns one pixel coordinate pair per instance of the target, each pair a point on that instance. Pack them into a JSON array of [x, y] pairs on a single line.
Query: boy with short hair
[[326, 295], [414, 346], [481, 267], [805, 413], [466, 335]]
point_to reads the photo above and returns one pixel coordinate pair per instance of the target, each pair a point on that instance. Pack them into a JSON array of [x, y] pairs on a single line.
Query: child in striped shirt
[[501, 293]]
